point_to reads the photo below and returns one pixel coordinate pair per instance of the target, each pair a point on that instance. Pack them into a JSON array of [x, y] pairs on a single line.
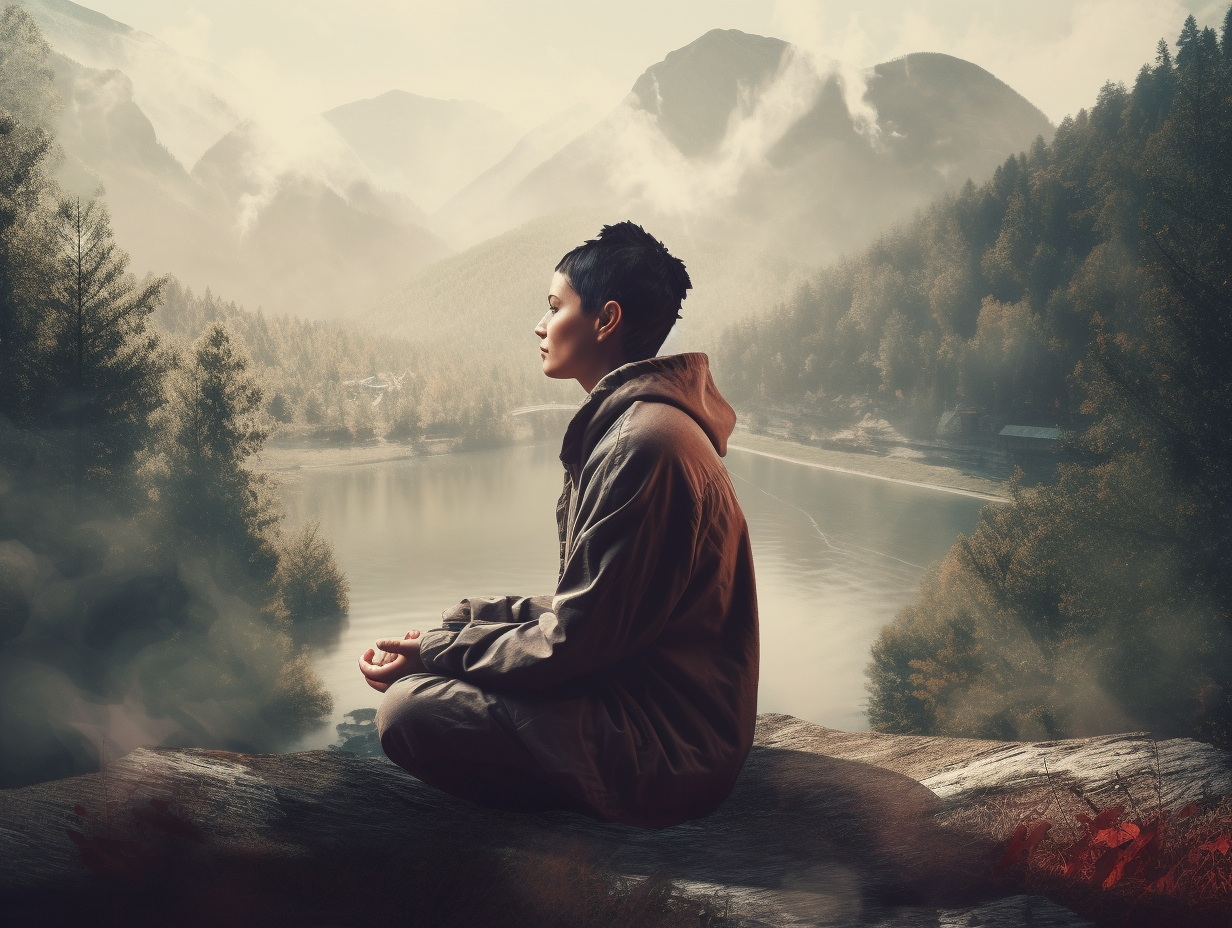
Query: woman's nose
[[542, 328]]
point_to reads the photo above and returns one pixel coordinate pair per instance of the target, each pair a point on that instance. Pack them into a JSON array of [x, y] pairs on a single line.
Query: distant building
[[964, 422], [375, 386], [1029, 438]]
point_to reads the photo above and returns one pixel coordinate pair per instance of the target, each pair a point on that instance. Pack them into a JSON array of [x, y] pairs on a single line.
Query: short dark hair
[[627, 264]]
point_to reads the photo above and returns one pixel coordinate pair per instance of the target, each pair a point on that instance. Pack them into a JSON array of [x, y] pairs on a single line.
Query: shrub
[[311, 588]]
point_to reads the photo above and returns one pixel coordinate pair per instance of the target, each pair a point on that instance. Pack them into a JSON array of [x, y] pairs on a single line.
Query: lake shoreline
[[287, 460], [877, 466]]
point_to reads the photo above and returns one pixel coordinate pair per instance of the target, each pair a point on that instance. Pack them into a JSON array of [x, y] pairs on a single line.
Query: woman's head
[[628, 266]]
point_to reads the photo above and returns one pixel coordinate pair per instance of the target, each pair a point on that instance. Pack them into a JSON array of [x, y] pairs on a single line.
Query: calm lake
[[836, 555]]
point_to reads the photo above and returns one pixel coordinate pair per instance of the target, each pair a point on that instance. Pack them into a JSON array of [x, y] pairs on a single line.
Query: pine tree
[[102, 368], [213, 430], [28, 109], [1188, 43]]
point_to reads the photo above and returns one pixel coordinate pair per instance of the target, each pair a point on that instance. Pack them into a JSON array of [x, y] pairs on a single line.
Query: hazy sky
[[532, 59]]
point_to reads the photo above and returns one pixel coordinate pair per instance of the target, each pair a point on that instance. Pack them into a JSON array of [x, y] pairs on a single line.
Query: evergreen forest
[[1087, 285], [143, 563]]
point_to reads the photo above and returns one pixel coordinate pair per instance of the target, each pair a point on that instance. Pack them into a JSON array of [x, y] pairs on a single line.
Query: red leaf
[[1188, 810], [107, 856], [114, 845], [181, 828], [1105, 866], [1076, 855], [1128, 861], [81, 810], [1015, 849], [106, 864], [1117, 834], [1220, 845]]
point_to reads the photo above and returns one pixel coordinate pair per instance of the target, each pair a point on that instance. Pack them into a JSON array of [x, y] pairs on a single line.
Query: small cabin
[[959, 422]]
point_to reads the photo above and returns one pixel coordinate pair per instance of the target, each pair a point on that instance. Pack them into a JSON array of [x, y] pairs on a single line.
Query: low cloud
[[1056, 53], [644, 166]]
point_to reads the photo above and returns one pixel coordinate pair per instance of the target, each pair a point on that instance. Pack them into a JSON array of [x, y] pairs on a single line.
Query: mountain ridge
[[768, 179], [424, 147]]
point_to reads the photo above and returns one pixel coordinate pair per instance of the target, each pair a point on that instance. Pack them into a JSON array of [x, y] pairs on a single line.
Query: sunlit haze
[[531, 60]]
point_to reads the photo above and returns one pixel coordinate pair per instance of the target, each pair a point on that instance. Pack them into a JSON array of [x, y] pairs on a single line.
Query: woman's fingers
[[369, 666], [400, 645], [384, 663]]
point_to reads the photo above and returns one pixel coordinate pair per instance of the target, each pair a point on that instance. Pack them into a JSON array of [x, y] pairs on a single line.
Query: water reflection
[[836, 556]]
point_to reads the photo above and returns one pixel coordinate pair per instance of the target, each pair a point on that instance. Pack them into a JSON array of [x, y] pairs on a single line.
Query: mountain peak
[[695, 89], [405, 102], [423, 147]]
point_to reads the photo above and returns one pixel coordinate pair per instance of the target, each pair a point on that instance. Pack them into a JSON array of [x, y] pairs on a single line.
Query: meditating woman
[[630, 693]]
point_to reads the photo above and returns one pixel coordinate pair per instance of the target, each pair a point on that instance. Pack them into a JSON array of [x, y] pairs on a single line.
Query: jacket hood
[[680, 380]]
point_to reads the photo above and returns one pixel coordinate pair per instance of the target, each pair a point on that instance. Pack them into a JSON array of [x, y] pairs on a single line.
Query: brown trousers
[[462, 740]]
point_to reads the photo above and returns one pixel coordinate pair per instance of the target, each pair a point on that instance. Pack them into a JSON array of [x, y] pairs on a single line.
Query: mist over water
[[836, 557]]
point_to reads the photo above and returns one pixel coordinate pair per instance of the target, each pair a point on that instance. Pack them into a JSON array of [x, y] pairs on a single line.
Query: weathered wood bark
[[824, 827]]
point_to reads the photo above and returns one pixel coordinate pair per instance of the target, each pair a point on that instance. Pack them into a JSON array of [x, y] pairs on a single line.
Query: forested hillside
[[1089, 282], [987, 298], [147, 592], [310, 373]]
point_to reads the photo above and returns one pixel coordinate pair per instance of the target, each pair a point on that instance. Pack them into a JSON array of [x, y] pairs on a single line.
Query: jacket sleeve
[[516, 609], [635, 534]]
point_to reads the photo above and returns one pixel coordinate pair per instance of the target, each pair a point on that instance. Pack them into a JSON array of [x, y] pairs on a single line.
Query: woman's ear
[[609, 320]]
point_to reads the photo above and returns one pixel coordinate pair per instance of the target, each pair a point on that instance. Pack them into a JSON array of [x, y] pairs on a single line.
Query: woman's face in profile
[[568, 343]]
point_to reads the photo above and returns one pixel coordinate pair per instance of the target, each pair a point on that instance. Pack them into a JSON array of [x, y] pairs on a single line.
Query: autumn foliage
[[1123, 867]]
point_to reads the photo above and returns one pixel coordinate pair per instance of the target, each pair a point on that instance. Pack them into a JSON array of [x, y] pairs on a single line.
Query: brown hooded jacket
[[634, 687]]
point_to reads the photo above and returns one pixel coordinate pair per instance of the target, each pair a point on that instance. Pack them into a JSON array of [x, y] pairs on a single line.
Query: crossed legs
[[461, 740]]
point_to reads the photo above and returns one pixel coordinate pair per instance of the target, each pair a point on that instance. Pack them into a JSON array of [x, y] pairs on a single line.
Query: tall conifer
[[102, 367]]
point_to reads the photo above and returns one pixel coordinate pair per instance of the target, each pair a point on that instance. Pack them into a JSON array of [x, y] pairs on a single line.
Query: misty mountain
[[741, 136], [486, 300], [285, 217], [188, 102], [754, 140], [468, 217], [255, 217], [111, 146], [695, 91], [310, 236], [424, 148]]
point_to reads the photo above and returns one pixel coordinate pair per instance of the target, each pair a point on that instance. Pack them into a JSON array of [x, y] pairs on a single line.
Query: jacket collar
[[680, 380]]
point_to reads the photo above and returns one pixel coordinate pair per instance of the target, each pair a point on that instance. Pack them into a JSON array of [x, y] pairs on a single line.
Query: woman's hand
[[401, 657]]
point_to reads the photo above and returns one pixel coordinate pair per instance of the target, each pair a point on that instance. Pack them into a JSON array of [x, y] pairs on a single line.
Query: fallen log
[[824, 827]]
